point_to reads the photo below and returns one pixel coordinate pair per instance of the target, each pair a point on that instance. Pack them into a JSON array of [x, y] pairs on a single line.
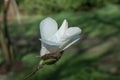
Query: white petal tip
[[80, 30], [65, 21], [47, 19]]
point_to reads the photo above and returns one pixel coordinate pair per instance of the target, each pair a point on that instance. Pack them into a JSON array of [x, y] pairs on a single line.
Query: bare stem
[[33, 72]]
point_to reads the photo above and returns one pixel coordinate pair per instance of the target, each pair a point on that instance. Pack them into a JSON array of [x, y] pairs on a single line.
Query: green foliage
[[55, 6], [100, 39], [1, 4], [39, 6], [30, 60], [67, 4]]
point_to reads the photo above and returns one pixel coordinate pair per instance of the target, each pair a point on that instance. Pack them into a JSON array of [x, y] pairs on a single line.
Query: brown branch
[[5, 31], [4, 47]]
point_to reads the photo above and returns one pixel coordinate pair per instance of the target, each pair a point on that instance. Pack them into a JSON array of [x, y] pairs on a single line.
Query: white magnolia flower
[[54, 40]]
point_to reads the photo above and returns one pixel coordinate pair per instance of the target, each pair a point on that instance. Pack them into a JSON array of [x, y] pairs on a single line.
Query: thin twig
[[33, 72]]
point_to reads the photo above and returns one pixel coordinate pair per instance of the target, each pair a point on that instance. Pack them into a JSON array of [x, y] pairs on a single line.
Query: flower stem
[[33, 72]]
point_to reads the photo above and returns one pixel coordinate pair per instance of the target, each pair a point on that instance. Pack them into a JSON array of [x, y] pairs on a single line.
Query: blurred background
[[95, 57]]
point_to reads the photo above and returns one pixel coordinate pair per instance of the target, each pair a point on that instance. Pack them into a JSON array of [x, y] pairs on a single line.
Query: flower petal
[[63, 28], [72, 31], [43, 50], [48, 27], [52, 47], [70, 37], [58, 35], [72, 41]]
